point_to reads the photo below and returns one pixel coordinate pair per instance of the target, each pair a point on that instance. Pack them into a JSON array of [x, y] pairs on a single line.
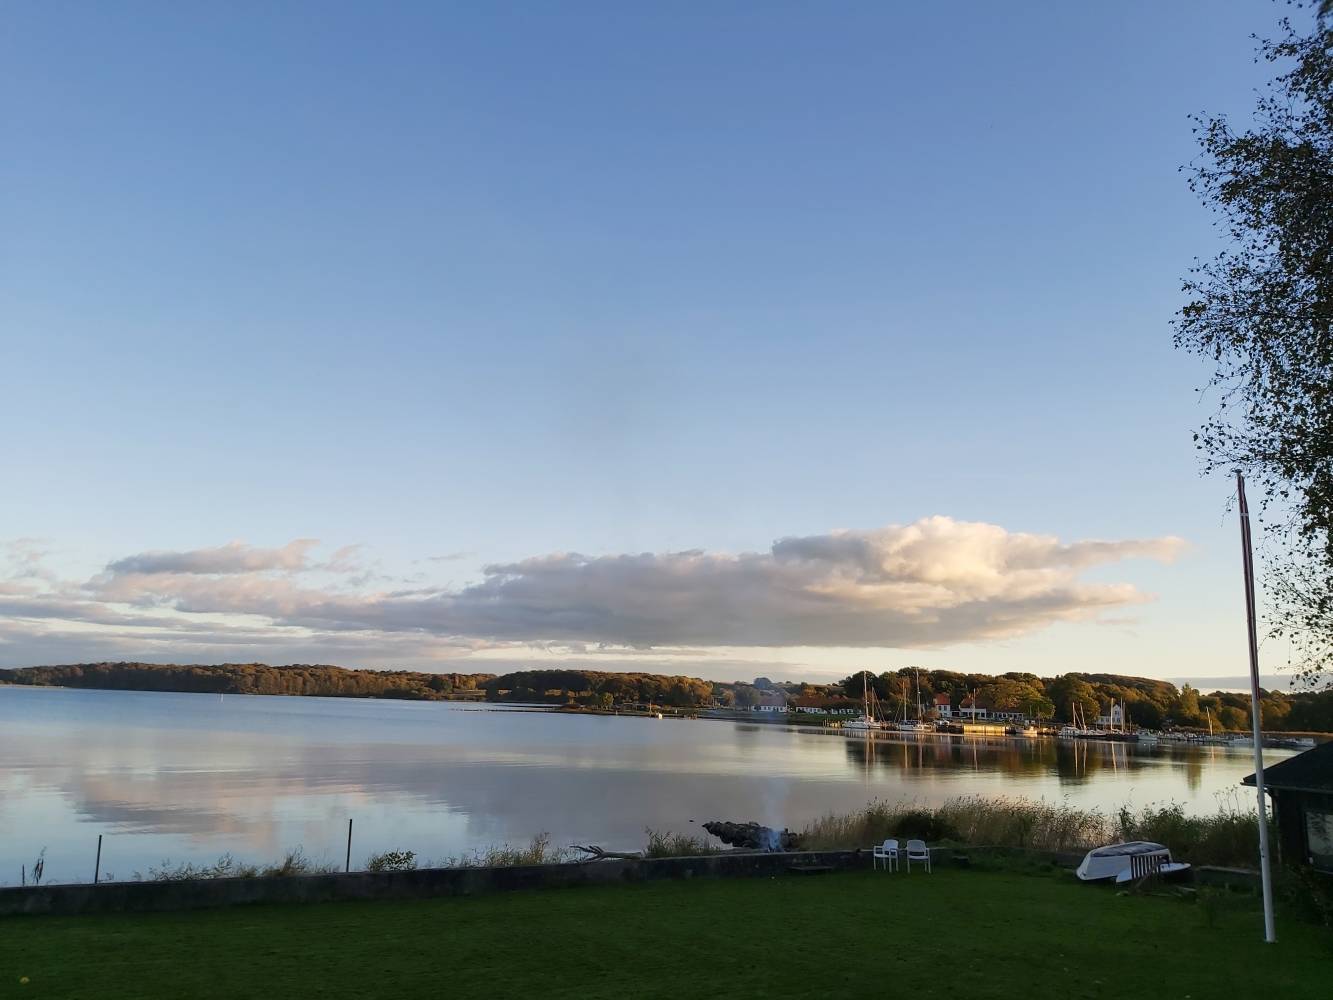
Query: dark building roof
[[1311, 771]]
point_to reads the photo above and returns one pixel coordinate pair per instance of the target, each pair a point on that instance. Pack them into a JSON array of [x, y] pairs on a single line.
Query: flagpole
[[1247, 557]]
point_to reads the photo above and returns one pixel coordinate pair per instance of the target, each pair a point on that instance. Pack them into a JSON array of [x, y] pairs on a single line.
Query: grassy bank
[[989, 934], [1228, 837]]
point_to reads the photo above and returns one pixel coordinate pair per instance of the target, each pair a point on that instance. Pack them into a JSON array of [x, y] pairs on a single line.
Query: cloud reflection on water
[[191, 776]]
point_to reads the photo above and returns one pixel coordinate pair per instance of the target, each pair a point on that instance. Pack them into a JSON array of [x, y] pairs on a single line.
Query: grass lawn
[[868, 934]]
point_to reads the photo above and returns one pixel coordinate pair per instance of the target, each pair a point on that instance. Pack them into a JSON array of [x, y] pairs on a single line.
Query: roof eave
[[1271, 787]]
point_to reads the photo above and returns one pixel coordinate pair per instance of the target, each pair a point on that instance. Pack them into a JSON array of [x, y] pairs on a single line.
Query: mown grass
[[1228, 837], [956, 933]]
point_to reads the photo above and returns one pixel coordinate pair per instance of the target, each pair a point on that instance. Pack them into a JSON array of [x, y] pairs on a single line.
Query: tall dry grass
[[538, 852], [1228, 837], [295, 862], [663, 844]]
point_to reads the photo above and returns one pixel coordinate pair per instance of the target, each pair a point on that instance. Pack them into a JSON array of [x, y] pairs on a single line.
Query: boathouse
[[1301, 788]]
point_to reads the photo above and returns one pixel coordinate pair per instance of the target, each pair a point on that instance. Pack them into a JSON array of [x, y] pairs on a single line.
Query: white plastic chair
[[918, 851], [886, 852]]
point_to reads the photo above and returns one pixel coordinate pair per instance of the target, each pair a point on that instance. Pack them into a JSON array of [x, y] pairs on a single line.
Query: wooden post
[[97, 868], [348, 868]]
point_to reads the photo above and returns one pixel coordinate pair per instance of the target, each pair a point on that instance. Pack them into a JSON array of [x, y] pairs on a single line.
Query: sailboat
[[917, 725], [1074, 730], [1211, 737], [1121, 735], [867, 723]]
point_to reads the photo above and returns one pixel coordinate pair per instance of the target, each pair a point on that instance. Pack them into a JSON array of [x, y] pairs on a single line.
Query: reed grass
[[663, 844], [538, 852], [1228, 837], [295, 862]]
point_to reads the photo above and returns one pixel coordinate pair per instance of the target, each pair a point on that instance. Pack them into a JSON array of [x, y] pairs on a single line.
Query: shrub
[[1229, 837], [1307, 895], [392, 861], [924, 824]]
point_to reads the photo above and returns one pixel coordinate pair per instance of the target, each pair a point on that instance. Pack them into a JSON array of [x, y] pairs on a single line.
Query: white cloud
[[234, 557], [933, 583]]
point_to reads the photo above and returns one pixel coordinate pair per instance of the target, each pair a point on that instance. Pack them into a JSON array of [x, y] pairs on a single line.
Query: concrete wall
[[143, 897], [140, 897]]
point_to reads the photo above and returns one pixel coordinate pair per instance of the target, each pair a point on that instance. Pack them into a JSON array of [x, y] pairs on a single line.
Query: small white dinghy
[[1128, 861]]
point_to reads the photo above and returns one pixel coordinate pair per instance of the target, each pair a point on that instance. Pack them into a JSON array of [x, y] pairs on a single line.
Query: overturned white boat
[[1124, 862]]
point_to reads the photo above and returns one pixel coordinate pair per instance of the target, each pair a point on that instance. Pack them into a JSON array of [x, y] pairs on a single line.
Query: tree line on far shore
[[316, 680], [1149, 703], [1152, 704]]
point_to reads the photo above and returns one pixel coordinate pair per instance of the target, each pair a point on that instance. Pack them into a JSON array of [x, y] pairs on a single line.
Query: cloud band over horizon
[[933, 583]]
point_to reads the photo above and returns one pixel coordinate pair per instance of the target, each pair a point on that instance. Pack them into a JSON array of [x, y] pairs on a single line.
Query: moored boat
[[867, 723]]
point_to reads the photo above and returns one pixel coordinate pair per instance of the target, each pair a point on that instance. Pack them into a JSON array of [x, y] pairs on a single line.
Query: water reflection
[[1069, 763], [190, 776]]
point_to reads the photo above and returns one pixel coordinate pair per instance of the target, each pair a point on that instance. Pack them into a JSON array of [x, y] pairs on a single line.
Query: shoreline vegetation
[[1226, 838], [909, 692]]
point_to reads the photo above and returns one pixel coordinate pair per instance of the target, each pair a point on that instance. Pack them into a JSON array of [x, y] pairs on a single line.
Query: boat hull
[[1110, 861]]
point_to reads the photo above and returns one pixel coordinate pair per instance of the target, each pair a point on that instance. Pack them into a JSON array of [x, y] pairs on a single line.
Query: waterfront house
[[968, 707], [1301, 788], [943, 706], [1114, 719]]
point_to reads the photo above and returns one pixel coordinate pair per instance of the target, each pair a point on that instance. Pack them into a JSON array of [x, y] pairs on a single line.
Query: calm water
[[189, 777]]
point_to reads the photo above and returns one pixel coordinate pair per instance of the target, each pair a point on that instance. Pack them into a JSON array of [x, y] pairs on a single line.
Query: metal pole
[[97, 868], [1247, 555], [349, 844]]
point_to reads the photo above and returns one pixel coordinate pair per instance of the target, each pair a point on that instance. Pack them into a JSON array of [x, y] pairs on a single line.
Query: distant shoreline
[[785, 721], [1112, 701]]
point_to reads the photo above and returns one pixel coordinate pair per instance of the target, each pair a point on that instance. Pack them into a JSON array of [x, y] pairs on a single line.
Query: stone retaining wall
[[143, 897], [140, 897]]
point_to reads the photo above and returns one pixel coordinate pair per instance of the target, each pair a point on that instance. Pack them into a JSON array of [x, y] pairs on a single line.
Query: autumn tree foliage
[[1261, 312]]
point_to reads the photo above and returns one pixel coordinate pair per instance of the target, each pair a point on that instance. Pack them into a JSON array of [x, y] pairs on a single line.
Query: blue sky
[[500, 281]]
